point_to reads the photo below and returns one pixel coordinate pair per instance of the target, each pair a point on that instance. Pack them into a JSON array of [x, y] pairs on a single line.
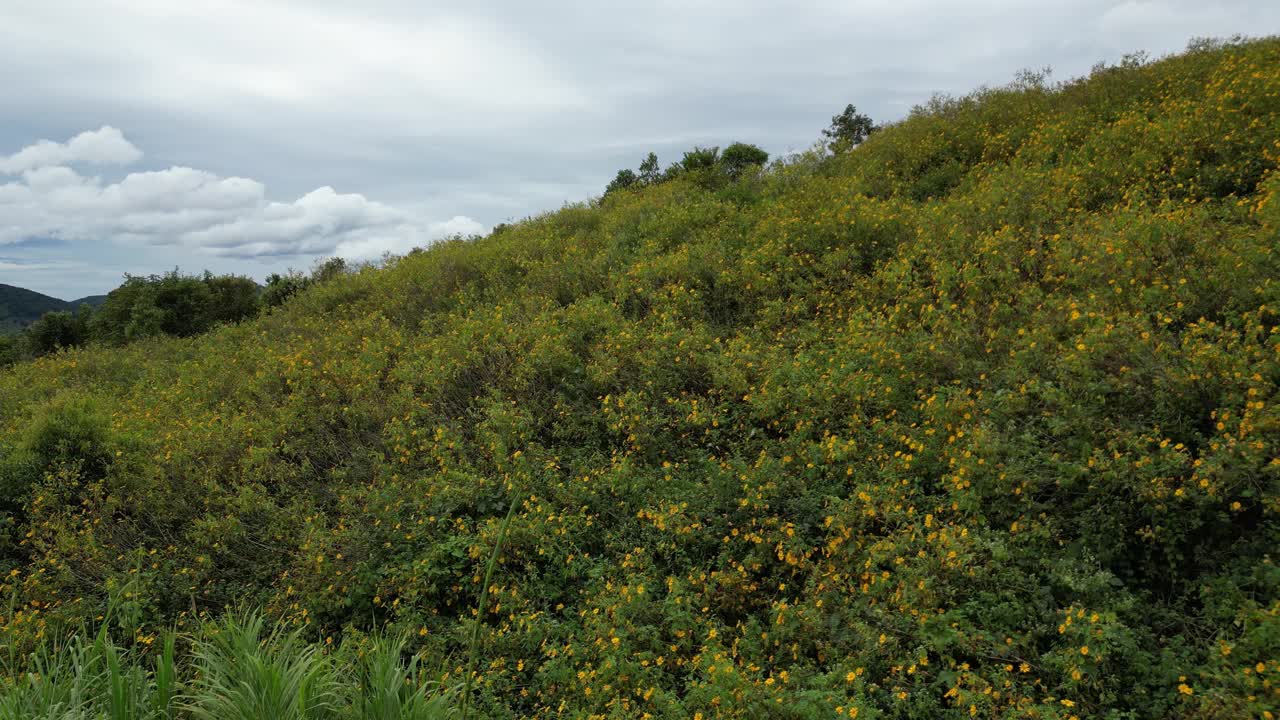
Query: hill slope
[[979, 418], [20, 307], [90, 300]]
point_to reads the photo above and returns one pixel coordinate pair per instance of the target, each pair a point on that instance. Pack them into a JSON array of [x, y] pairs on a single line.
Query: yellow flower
[[1185, 689]]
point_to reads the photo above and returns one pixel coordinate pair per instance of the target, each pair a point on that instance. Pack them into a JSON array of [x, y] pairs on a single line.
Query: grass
[[241, 667]]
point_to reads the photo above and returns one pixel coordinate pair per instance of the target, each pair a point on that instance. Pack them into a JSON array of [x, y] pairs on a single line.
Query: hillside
[[20, 307], [977, 419], [90, 300]]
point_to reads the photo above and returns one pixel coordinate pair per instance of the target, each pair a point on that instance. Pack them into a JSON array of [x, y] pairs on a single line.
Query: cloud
[[14, 264], [194, 209], [104, 146]]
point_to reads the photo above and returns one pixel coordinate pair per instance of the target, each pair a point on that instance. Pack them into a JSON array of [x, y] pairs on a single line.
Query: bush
[[172, 304], [65, 446], [739, 156], [233, 298], [625, 180], [282, 287], [57, 330], [699, 158], [329, 269]]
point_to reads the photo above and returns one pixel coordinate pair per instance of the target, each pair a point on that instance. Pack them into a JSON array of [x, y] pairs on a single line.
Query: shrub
[[282, 287], [625, 179], [699, 158], [57, 330], [739, 156], [233, 298]]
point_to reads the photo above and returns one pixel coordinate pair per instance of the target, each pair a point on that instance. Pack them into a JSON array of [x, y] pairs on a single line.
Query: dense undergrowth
[[979, 418]]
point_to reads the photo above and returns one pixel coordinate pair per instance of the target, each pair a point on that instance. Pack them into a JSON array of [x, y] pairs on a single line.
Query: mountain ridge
[[19, 306]]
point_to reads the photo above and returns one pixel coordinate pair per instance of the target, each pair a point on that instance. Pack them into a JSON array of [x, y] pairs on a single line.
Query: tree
[[848, 129], [169, 304], [234, 298], [328, 269], [625, 179], [173, 304], [650, 172], [10, 349], [282, 287], [56, 330], [739, 156], [699, 158]]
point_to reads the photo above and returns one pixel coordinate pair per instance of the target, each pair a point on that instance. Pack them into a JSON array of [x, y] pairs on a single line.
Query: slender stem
[[483, 603]]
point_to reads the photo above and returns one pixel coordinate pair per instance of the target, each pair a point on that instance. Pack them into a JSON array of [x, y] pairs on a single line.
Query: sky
[[253, 136]]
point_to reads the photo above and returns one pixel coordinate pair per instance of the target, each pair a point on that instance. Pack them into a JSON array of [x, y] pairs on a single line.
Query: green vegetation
[[848, 130], [980, 418], [20, 307], [172, 304], [238, 668], [706, 166]]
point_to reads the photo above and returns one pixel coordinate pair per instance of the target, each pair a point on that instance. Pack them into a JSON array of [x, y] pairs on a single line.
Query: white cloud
[[194, 209], [104, 146]]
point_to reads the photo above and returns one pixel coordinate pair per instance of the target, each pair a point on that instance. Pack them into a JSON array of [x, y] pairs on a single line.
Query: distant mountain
[[19, 307], [90, 300]]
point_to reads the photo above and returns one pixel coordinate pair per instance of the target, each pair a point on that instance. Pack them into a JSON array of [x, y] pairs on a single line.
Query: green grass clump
[[88, 676], [980, 418], [238, 668]]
